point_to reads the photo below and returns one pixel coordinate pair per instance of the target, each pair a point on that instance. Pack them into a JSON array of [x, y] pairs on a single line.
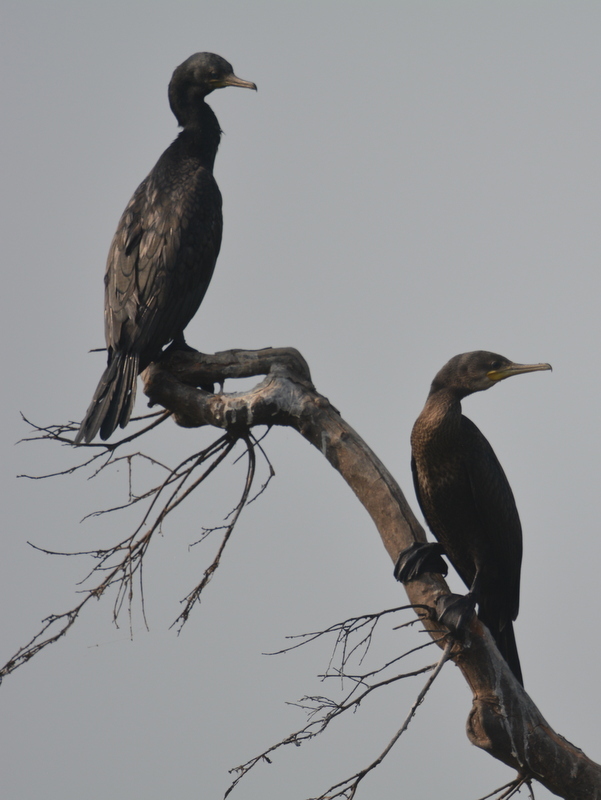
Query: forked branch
[[120, 566], [352, 641], [503, 720]]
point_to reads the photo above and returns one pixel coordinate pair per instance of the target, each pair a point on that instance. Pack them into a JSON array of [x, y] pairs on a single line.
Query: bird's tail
[[113, 399], [505, 640]]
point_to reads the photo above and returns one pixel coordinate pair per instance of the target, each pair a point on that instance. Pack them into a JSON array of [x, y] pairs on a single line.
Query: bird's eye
[[495, 365]]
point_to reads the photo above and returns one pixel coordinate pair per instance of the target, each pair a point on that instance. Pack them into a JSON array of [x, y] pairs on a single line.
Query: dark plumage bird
[[163, 254], [467, 501]]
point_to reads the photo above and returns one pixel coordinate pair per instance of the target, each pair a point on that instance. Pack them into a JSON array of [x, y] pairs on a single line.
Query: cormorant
[[467, 501], [163, 254]]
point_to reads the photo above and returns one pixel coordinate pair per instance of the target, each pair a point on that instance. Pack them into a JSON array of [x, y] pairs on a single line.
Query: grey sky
[[412, 180]]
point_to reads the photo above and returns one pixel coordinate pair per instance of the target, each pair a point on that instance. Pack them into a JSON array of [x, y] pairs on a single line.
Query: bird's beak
[[515, 369], [232, 80]]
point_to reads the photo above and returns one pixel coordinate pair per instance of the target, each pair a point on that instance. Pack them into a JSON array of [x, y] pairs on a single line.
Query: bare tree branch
[[503, 720], [511, 789], [194, 596], [321, 710], [120, 566], [347, 788]]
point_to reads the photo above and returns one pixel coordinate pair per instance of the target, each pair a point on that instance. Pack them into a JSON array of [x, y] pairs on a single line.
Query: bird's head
[[479, 370], [197, 77]]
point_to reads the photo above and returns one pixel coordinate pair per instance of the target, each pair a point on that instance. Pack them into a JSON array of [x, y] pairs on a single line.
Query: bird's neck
[[201, 134], [440, 420]]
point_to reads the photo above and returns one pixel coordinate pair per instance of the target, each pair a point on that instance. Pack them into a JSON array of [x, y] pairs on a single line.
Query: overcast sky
[[412, 180]]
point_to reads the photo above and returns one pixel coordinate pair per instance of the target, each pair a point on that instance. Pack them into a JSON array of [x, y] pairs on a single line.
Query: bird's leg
[[456, 610], [418, 558]]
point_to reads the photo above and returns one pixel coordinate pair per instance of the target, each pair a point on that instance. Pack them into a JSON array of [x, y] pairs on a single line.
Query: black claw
[[179, 343], [455, 610], [420, 557]]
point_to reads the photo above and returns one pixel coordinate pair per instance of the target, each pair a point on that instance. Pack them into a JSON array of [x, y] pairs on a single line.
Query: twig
[[122, 563], [322, 710], [194, 596], [348, 788]]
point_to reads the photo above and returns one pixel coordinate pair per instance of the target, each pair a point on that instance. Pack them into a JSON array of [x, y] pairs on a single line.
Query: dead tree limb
[[503, 719]]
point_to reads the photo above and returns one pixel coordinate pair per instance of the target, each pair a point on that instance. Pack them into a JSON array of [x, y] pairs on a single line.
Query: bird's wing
[[161, 260], [496, 509]]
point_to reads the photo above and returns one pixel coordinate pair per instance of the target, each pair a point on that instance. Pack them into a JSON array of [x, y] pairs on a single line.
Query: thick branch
[[503, 720]]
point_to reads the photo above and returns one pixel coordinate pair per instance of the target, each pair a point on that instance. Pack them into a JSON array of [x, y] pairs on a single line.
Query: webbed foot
[[180, 344], [455, 610], [420, 557]]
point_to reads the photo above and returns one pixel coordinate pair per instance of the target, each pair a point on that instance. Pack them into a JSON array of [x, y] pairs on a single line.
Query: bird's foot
[[179, 344], [420, 557], [455, 610]]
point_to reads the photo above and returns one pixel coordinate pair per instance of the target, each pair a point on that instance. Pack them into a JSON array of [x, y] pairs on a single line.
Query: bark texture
[[503, 720]]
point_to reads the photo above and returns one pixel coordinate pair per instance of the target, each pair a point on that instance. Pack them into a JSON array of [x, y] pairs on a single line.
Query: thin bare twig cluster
[[503, 720], [347, 789], [120, 565], [510, 789], [353, 639]]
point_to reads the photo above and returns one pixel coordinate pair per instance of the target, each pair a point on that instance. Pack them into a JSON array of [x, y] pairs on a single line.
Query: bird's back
[[163, 254], [159, 267]]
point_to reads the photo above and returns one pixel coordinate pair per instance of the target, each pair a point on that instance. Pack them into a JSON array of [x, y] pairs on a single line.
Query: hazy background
[[412, 180]]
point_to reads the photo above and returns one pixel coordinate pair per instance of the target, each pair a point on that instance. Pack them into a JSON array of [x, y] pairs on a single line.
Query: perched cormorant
[[467, 501], [163, 254]]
